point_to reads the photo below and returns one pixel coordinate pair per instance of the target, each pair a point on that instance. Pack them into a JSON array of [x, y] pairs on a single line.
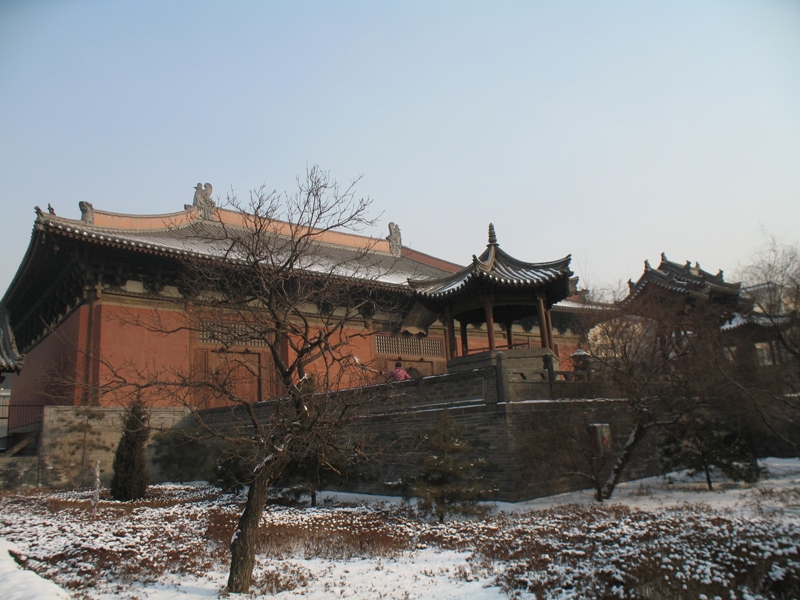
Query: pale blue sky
[[609, 130]]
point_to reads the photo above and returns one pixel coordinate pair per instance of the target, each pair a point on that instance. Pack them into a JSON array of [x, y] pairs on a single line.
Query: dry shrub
[[157, 497], [332, 534], [768, 501], [282, 577], [671, 553]]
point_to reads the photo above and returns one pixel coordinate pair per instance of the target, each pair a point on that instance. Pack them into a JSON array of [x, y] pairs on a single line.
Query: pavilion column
[[490, 323], [542, 315], [464, 339], [510, 334], [452, 349], [549, 329]]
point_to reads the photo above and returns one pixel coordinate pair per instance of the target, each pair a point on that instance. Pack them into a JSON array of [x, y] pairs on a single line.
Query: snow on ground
[[670, 536], [780, 474], [17, 583]]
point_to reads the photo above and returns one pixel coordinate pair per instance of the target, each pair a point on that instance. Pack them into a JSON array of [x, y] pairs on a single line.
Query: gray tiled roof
[[213, 240]]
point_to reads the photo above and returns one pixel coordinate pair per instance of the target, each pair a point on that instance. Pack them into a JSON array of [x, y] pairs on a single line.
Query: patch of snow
[[17, 583]]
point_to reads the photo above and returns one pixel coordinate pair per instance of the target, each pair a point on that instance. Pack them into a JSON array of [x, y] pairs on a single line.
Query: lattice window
[[408, 346], [234, 334]]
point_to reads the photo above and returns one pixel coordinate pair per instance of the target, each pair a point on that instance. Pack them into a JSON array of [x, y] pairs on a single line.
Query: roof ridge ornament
[[395, 240], [202, 201], [492, 235], [87, 212]]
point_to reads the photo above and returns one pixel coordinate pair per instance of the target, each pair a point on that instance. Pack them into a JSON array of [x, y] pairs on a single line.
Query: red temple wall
[[49, 368], [113, 331], [137, 352]]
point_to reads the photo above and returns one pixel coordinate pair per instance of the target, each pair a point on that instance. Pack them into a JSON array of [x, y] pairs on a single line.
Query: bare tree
[[270, 283], [771, 384], [773, 282], [655, 356]]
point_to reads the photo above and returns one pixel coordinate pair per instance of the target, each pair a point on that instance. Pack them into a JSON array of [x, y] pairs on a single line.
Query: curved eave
[[10, 358], [763, 322], [106, 239], [120, 242], [582, 308], [23, 266], [639, 289], [457, 288]]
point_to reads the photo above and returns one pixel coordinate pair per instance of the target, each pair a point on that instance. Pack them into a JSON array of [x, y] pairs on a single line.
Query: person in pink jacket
[[397, 374]]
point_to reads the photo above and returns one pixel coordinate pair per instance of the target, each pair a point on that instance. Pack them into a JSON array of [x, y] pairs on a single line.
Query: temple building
[[71, 320], [112, 301], [750, 334], [689, 282]]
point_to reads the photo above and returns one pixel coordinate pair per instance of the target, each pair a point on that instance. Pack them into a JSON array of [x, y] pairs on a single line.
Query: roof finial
[[492, 235]]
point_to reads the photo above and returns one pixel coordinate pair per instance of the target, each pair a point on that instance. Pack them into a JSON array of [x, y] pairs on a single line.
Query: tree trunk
[[598, 492], [243, 544], [708, 478], [636, 435]]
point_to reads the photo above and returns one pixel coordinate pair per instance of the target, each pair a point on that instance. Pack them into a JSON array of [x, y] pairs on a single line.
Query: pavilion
[[496, 288]]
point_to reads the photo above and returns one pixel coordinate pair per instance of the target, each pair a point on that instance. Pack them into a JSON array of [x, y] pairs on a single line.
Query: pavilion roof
[[496, 268], [685, 278]]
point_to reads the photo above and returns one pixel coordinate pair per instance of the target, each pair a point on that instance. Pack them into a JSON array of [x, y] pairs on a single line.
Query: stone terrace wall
[[531, 446], [74, 438]]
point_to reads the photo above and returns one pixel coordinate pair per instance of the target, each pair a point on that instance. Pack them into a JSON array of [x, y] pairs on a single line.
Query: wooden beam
[[452, 349], [490, 323], [542, 322], [549, 320]]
